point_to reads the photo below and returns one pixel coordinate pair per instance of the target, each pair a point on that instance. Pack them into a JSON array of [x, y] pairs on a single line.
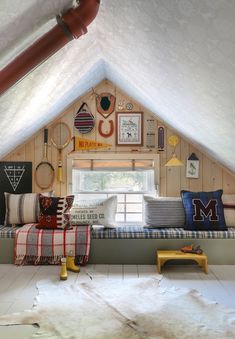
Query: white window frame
[[111, 156]]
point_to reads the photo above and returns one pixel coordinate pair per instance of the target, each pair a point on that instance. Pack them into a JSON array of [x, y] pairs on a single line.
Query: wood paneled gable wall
[[212, 175]]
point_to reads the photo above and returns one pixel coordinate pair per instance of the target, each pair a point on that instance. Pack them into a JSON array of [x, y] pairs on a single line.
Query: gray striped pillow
[[164, 212], [22, 208]]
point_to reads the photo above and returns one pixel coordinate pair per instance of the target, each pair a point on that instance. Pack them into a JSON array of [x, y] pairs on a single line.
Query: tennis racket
[[60, 138], [44, 173]]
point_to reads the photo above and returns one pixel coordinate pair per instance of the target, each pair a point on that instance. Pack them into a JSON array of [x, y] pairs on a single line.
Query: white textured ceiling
[[176, 57]]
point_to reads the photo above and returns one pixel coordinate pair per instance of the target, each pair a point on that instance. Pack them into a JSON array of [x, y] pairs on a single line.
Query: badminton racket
[[60, 138], [44, 173]]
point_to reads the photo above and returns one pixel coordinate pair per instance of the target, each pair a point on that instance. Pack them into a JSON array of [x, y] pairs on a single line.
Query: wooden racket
[[44, 173], [60, 138]]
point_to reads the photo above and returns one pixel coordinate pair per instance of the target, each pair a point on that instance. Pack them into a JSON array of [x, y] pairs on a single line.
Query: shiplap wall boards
[[211, 174]]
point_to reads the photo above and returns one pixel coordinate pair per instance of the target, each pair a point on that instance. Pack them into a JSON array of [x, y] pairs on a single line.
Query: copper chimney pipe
[[70, 25]]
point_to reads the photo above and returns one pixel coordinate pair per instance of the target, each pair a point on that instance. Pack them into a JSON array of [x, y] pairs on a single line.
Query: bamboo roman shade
[[113, 165]]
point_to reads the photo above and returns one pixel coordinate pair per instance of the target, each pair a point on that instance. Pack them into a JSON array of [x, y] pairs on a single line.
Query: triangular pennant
[[193, 157], [14, 175], [85, 144]]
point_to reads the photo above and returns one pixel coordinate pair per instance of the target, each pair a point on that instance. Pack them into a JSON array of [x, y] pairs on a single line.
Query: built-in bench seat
[[138, 245], [139, 232]]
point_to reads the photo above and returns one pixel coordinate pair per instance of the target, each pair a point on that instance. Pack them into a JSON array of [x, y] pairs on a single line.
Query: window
[[128, 179]]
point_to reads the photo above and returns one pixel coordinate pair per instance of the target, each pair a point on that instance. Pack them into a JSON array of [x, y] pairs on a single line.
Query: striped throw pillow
[[163, 212], [22, 208], [229, 209]]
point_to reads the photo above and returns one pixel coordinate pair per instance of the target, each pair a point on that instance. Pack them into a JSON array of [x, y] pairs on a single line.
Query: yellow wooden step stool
[[163, 256]]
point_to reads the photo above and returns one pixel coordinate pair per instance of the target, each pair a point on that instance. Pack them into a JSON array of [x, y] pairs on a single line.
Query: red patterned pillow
[[55, 212]]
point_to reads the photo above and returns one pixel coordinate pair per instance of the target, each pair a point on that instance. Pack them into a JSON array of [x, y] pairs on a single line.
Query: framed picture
[[16, 178], [192, 168], [129, 128]]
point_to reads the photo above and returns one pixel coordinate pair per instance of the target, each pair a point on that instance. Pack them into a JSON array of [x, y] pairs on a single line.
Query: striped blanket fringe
[[54, 260], [37, 260]]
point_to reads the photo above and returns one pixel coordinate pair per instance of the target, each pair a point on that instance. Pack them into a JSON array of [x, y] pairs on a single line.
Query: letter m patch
[[202, 211]]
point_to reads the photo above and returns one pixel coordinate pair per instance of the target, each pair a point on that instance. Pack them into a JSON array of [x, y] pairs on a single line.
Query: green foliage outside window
[[112, 181]]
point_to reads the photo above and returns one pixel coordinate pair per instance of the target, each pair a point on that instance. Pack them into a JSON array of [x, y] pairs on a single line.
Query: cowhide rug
[[137, 308]]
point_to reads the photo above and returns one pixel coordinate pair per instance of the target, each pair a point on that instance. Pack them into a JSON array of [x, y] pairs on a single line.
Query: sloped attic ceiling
[[176, 57]]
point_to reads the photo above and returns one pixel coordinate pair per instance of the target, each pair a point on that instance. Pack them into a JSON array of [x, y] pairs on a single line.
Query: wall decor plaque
[[105, 104], [150, 133], [129, 128], [15, 177], [192, 168], [84, 120], [103, 132], [129, 106], [150, 140], [161, 133]]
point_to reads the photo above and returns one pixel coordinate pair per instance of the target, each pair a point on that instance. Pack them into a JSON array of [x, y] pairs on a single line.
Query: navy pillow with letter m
[[203, 211]]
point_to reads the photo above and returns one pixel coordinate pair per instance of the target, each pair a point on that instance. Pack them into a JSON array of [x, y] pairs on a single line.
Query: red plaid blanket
[[40, 246]]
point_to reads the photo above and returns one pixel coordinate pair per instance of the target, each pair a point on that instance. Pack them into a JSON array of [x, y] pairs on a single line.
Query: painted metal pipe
[[71, 25]]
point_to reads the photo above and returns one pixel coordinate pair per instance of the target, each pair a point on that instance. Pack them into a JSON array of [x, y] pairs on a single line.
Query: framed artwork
[[192, 168], [129, 128], [15, 177]]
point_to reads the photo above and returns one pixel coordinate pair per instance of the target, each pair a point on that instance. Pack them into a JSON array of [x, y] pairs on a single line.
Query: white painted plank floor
[[18, 285]]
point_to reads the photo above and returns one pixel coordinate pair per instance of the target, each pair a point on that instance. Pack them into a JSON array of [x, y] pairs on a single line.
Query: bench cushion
[[8, 231], [139, 232]]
